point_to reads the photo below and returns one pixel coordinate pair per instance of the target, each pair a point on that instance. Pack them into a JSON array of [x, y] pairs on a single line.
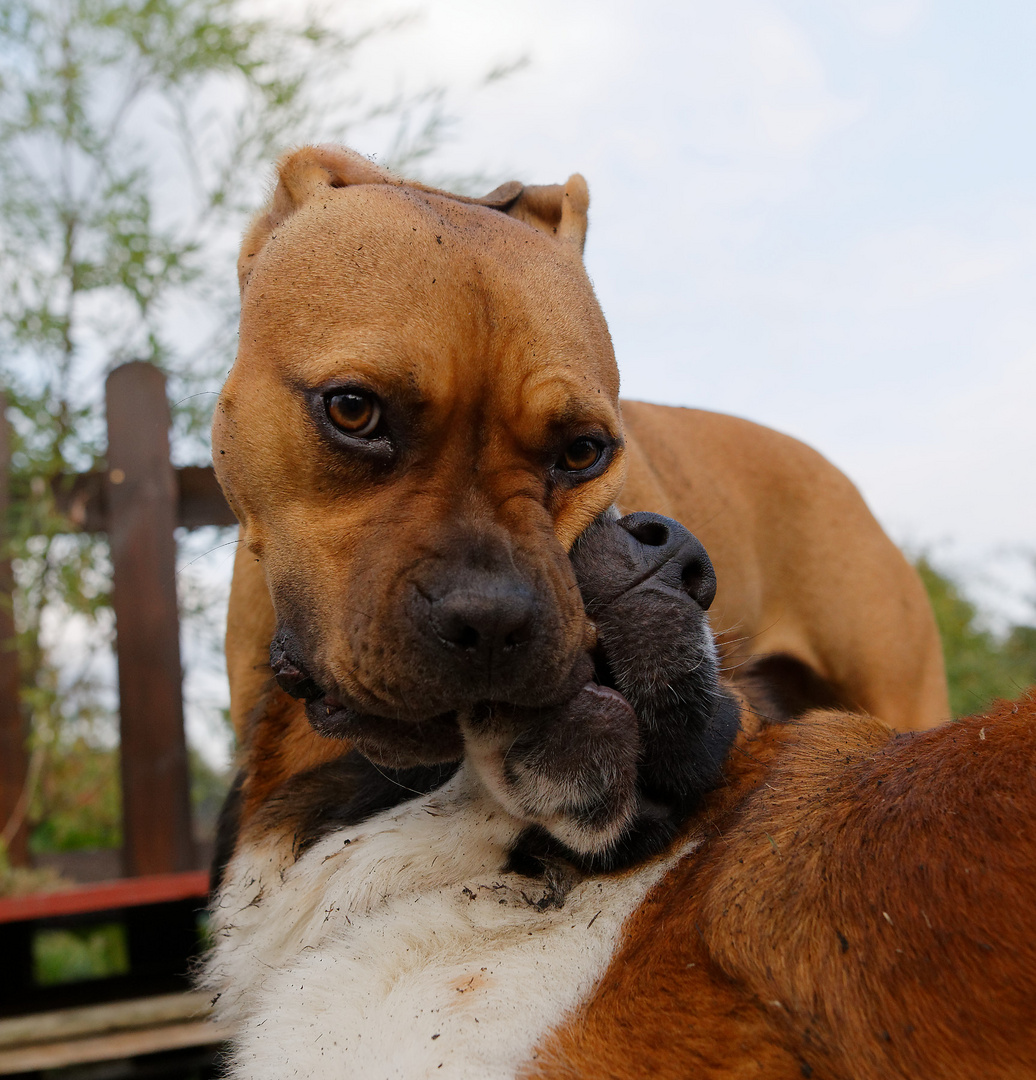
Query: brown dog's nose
[[638, 550], [486, 618], [677, 552], [481, 624]]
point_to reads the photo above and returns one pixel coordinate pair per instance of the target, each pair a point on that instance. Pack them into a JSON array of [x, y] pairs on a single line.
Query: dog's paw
[[571, 769]]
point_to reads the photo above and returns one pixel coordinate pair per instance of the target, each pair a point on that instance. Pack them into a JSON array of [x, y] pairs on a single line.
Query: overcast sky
[[818, 215]]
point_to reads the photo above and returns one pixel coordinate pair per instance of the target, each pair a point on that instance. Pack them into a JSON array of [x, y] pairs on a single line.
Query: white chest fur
[[400, 949]]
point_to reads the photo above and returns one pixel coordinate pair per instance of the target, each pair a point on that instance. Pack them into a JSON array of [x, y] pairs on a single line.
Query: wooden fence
[[138, 501]]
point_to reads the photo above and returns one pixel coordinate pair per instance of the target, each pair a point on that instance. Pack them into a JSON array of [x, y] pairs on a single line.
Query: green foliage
[[77, 803], [92, 952], [134, 139], [133, 135], [980, 665], [19, 880]]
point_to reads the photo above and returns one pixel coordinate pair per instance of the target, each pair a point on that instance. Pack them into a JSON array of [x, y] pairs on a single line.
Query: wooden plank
[[142, 498], [123, 1044], [83, 498], [107, 896], [201, 500], [90, 865], [60, 1024], [14, 758], [83, 867]]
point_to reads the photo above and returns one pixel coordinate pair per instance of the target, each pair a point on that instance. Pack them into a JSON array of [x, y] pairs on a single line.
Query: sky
[[817, 215]]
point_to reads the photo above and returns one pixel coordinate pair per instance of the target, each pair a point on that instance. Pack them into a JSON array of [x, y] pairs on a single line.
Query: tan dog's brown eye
[[354, 412], [581, 455]]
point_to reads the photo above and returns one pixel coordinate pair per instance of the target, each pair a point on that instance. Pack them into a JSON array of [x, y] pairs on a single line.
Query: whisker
[[201, 393], [393, 780], [229, 543]]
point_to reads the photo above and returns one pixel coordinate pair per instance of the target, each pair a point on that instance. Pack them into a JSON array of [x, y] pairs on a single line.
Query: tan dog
[[422, 418], [422, 439]]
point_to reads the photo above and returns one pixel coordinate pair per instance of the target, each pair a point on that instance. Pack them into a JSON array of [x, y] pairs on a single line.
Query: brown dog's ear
[[558, 209], [303, 175]]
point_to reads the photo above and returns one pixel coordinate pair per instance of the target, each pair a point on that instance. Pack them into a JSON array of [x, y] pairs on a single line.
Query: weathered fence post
[[142, 507], [13, 732]]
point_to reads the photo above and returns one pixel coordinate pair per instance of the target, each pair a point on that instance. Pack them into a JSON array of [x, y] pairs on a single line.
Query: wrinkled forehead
[[391, 283]]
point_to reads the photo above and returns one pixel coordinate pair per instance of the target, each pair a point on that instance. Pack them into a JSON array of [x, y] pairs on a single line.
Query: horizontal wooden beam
[[136, 1042], [85, 498], [104, 1019]]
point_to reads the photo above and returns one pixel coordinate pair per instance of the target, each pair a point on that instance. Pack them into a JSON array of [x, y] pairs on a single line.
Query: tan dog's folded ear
[[307, 173], [558, 209]]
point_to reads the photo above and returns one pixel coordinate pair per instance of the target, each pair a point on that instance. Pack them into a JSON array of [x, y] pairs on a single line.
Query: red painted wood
[[142, 511], [106, 896]]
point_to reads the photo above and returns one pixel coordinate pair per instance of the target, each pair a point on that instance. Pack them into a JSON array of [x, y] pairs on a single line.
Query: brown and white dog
[[593, 898], [484, 748]]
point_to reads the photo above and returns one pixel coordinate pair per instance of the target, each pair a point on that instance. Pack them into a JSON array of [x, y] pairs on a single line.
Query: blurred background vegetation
[[981, 663], [134, 139]]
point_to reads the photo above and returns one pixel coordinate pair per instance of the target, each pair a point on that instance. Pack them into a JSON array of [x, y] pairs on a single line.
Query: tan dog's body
[[804, 569], [500, 323], [798, 555], [496, 325]]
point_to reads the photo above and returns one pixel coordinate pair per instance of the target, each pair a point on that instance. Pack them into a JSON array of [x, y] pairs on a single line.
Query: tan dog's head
[[422, 418]]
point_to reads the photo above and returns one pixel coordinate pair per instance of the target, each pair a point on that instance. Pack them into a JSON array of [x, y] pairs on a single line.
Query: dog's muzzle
[[479, 634]]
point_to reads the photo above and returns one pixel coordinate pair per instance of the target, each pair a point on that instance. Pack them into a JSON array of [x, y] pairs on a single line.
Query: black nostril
[[288, 671], [454, 626], [690, 577], [650, 533], [699, 582]]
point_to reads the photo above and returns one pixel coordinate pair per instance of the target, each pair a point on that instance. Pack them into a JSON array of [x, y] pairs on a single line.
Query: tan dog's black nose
[[486, 618], [480, 624]]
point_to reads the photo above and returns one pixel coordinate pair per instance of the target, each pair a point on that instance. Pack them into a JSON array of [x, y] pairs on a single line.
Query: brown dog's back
[[864, 911], [809, 584]]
